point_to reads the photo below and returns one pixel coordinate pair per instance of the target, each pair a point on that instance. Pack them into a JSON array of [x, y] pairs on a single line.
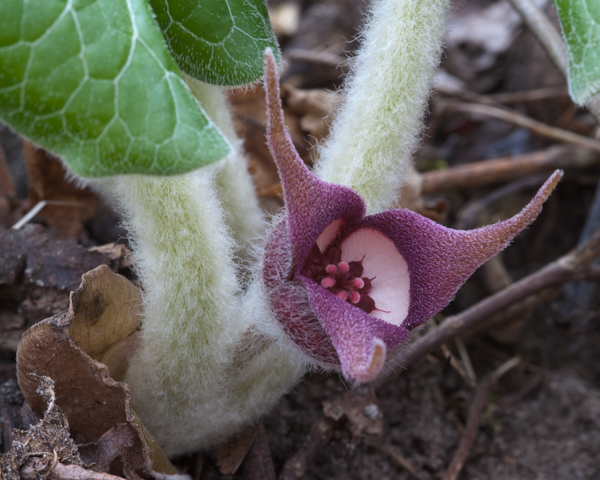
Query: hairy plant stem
[[235, 188], [375, 133], [210, 360]]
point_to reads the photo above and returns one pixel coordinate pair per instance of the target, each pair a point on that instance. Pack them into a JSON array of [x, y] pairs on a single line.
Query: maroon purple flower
[[347, 287]]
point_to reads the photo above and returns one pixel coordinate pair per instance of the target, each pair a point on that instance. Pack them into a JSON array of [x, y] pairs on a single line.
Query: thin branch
[[35, 469], [533, 95], [314, 56], [258, 464], [319, 436], [482, 395], [399, 459], [565, 269], [523, 121], [499, 170]]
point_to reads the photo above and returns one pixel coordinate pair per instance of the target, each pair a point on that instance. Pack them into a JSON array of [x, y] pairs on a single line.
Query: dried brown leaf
[[103, 312], [231, 454]]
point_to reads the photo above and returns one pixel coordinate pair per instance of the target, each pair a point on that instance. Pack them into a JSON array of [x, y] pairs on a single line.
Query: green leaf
[[93, 81], [217, 41], [580, 20]]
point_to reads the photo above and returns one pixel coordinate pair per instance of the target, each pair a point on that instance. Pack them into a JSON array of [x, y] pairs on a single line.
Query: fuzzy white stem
[[235, 188], [376, 131], [209, 362]]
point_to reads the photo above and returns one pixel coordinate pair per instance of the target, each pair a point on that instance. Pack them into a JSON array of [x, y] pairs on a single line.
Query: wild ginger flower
[[347, 287]]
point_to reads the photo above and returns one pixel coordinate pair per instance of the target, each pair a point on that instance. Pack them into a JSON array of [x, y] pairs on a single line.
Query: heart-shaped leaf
[[580, 20], [217, 41], [93, 81]]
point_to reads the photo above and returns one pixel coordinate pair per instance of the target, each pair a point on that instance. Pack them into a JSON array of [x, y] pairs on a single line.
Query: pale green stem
[[206, 365], [235, 188], [376, 132]]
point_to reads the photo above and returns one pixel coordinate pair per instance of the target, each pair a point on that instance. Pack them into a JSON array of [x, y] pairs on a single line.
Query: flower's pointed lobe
[[311, 204], [441, 259], [356, 335]]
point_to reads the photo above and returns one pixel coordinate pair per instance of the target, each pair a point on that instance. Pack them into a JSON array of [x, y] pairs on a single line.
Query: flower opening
[[347, 287]]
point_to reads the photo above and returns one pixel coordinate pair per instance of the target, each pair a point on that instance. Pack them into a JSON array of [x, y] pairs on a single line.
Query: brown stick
[[530, 95], [258, 464], [319, 436], [32, 469], [520, 120], [314, 56], [482, 394], [567, 268], [478, 174]]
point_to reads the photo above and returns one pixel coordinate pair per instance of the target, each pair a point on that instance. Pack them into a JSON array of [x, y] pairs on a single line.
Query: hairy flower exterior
[[347, 287]]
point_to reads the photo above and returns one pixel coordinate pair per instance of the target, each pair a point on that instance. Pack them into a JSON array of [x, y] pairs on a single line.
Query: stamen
[[343, 279]]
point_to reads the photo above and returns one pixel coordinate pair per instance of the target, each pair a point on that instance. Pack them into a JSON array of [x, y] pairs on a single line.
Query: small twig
[[31, 471], [314, 56], [466, 360], [579, 298], [457, 365], [565, 269], [482, 394], [396, 457], [319, 436], [258, 464], [534, 95], [505, 169], [524, 121], [39, 206]]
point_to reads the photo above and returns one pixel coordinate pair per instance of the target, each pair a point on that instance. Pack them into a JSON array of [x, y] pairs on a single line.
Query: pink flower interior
[[386, 267]]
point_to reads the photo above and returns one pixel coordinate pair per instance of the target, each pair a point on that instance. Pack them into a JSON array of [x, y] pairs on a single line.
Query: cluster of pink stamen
[[342, 279]]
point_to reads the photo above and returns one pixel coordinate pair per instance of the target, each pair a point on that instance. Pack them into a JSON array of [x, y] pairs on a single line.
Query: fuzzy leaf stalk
[[333, 287]]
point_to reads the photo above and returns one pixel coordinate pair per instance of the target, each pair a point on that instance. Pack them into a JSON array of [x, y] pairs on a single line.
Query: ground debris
[[46, 443], [36, 273]]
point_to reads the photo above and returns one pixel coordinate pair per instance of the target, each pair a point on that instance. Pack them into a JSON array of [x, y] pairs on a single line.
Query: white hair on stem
[[209, 361], [234, 183], [377, 129]]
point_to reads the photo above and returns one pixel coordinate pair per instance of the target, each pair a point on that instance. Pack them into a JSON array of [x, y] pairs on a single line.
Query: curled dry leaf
[[231, 454], [99, 326]]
